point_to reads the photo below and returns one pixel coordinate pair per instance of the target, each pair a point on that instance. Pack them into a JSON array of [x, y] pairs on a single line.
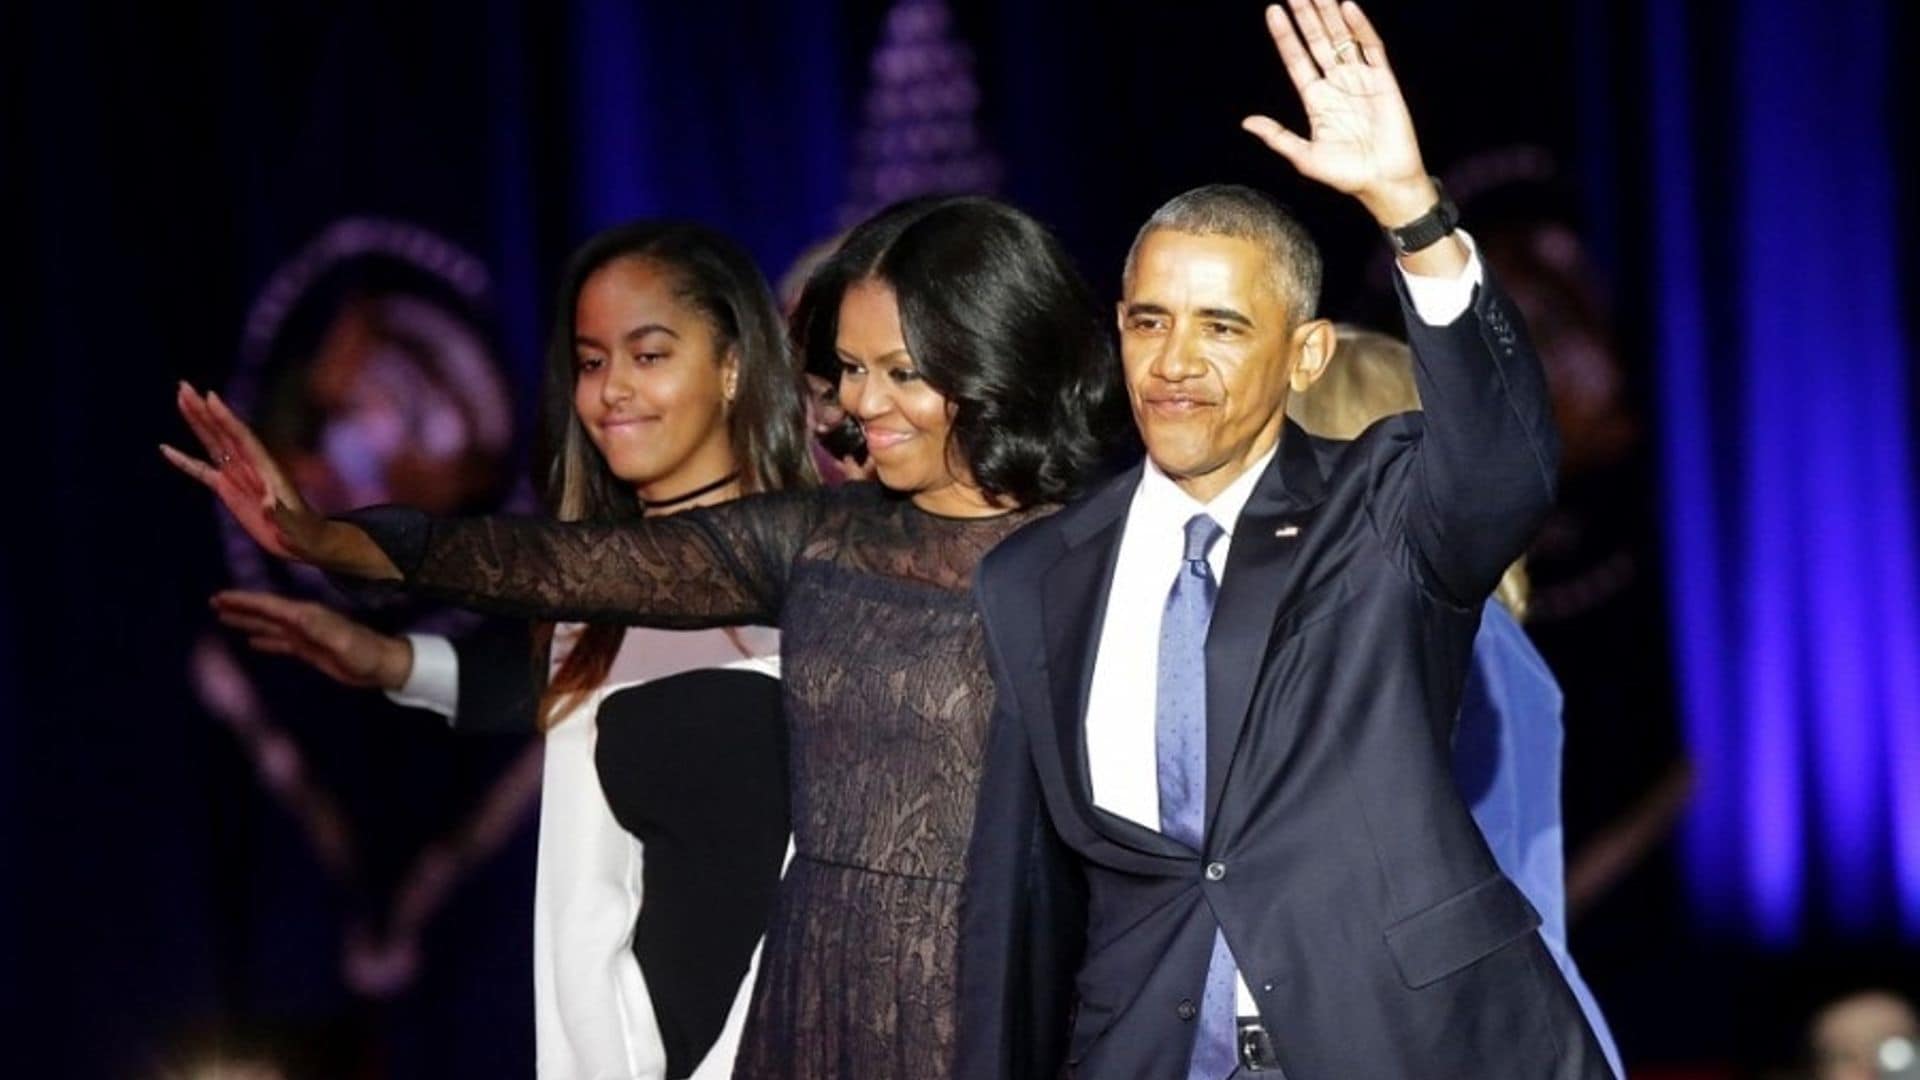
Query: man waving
[[1219, 819]]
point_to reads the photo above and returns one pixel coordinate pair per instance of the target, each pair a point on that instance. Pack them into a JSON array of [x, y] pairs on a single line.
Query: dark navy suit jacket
[[1361, 903]]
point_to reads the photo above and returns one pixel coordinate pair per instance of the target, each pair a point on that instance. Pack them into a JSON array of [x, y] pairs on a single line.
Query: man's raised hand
[[1360, 137]]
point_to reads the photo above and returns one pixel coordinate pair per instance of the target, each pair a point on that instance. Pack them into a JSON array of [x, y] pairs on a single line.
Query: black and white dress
[[663, 828]]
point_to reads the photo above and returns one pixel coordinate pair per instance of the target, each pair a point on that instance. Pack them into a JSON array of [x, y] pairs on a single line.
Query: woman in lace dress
[[980, 374]]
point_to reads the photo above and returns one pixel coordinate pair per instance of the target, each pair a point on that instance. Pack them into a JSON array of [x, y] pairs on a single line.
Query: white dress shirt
[[1121, 754], [1121, 704]]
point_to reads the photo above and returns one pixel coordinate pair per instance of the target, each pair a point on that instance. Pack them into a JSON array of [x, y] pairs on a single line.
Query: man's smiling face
[[1208, 352]]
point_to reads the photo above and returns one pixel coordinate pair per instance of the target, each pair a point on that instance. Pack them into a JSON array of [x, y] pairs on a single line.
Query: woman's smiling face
[[906, 422]]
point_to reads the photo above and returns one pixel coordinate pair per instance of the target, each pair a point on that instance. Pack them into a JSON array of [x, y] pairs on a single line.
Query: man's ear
[[1312, 346]]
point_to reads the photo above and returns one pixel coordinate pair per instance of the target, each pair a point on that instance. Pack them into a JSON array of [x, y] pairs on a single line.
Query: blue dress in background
[[1506, 759]]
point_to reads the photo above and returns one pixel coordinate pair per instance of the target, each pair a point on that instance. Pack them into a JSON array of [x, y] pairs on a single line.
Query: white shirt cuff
[[1437, 300], [434, 681]]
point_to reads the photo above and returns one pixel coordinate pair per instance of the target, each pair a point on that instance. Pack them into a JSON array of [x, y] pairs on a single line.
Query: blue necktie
[[1180, 742]]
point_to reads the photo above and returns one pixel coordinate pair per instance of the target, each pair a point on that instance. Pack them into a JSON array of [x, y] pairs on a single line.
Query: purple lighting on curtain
[[1773, 310], [1690, 494], [674, 112], [1792, 516], [1884, 517]]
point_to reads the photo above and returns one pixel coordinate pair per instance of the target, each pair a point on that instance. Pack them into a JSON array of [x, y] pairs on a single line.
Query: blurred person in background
[[1866, 1035], [1595, 567]]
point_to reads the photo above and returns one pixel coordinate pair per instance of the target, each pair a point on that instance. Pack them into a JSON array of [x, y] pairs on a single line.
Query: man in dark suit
[[1218, 815]]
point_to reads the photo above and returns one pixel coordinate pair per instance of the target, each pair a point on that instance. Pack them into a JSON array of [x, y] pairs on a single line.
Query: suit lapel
[[1260, 571], [1073, 607], [1073, 604]]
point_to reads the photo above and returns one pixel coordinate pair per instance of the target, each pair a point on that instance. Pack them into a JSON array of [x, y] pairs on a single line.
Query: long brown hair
[[766, 426]]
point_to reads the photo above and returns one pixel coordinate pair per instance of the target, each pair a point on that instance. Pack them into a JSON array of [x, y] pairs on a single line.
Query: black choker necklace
[[661, 504]]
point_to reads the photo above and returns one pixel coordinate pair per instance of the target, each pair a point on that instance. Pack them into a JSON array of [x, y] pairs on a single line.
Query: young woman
[[668, 387], [980, 374]]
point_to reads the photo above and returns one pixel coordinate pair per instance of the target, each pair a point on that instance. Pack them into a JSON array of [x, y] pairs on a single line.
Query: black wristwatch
[[1428, 229]]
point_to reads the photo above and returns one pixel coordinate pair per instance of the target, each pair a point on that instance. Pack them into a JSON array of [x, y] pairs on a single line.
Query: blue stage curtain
[[1787, 440], [681, 110]]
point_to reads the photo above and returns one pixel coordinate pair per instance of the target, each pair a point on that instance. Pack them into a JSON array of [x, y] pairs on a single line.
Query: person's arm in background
[[481, 681]]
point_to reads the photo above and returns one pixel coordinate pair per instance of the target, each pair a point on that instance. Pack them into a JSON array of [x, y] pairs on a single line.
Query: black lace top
[[887, 699]]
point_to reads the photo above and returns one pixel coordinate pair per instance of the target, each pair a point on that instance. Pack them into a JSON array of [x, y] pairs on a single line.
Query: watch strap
[[1428, 229]]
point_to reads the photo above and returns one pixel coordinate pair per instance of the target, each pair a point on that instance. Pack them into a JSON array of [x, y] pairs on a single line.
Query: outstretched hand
[[245, 477], [1360, 136], [338, 647]]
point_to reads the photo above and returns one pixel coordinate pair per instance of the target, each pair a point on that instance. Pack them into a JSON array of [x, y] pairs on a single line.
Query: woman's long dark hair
[[766, 424], [999, 321]]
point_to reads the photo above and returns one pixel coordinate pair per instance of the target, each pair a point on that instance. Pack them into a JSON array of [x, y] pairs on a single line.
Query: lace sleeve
[[718, 566]]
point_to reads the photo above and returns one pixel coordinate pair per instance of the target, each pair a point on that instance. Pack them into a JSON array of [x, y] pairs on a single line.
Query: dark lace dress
[[887, 699]]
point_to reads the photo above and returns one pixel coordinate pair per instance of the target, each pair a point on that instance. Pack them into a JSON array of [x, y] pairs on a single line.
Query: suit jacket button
[[1216, 871], [1185, 1010]]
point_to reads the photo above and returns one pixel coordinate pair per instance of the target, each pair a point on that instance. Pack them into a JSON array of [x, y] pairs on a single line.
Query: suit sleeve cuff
[[1439, 301], [434, 681]]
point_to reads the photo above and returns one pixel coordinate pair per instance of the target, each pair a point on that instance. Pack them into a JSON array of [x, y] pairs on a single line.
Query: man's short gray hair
[[1245, 214]]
